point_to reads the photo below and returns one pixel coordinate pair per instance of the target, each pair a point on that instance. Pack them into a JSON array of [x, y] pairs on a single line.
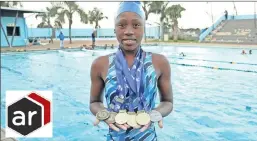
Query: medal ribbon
[[129, 81]]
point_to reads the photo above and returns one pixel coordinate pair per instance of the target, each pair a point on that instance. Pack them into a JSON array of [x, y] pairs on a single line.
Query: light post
[[255, 15]]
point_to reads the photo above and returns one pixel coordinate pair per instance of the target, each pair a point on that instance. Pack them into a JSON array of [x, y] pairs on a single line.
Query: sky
[[197, 14]]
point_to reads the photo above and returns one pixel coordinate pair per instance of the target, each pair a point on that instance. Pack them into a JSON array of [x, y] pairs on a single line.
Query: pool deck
[[101, 43]]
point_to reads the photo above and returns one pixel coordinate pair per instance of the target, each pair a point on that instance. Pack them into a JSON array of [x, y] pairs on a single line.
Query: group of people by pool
[[243, 52]]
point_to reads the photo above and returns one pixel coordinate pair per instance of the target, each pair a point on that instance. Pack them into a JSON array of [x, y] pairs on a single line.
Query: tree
[[68, 9], [159, 7], [10, 4], [146, 7], [46, 20], [174, 12], [95, 16], [57, 25]]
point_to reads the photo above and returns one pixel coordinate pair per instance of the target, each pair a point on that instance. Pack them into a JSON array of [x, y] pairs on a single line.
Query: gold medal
[[121, 117], [142, 118], [132, 120], [111, 118], [102, 115]]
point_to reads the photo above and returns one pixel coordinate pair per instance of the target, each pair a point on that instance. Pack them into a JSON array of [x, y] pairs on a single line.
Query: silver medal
[[155, 116]]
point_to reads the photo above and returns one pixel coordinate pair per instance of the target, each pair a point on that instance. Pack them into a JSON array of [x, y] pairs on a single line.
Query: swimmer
[[124, 89], [182, 53], [243, 52]]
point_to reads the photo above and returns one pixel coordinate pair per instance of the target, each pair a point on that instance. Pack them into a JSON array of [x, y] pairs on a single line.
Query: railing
[[242, 17], [210, 29]]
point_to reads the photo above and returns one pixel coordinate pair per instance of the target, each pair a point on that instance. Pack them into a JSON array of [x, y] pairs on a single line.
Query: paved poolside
[[109, 43]]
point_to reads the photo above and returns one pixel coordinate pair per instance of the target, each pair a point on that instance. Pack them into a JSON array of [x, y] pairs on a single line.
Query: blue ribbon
[[129, 80]]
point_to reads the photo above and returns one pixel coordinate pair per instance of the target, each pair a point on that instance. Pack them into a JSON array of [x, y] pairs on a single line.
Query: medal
[[132, 120], [111, 118], [102, 115], [118, 99], [155, 116], [142, 118], [121, 117]]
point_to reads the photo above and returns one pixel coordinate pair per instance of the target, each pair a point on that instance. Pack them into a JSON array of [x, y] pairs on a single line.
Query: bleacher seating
[[234, 31]]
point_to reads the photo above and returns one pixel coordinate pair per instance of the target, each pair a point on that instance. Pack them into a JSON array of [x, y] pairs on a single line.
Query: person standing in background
[[226, 14], [61, 37], [93, 38]]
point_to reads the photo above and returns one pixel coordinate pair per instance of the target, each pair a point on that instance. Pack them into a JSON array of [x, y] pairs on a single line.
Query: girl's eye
[[136, 25], [121, 25]]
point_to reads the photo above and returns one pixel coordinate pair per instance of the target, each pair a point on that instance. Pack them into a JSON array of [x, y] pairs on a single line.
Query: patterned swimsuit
[[150, 85]]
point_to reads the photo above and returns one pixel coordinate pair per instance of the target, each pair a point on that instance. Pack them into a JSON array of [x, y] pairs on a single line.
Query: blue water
[[209, 104]]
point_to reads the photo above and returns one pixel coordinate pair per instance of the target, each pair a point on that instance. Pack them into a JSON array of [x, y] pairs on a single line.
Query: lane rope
[[217, 68], [213, 61]]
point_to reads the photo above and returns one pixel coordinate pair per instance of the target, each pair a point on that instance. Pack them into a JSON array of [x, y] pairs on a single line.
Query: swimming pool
[[209, 104]]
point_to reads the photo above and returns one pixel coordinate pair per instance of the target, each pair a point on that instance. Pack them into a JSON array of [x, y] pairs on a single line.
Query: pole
[[255, 15], [4, 34], [31, 30], [159, 26], [235, 7], [212, 18], [14, 28]]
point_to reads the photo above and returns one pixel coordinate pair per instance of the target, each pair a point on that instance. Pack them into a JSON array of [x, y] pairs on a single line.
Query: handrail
[[211, 28]]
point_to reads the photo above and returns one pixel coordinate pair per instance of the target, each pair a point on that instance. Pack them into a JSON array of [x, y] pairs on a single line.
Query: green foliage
[[68, 9], [95, 16], [10, 4]]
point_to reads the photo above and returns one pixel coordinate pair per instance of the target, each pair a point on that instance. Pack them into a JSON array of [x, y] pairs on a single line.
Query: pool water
[[209, 104]]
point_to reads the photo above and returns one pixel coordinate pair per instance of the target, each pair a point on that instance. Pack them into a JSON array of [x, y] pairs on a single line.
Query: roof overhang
[[20, 10]]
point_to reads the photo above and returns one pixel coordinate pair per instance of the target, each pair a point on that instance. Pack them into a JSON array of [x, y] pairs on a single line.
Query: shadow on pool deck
[[109, 43]]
